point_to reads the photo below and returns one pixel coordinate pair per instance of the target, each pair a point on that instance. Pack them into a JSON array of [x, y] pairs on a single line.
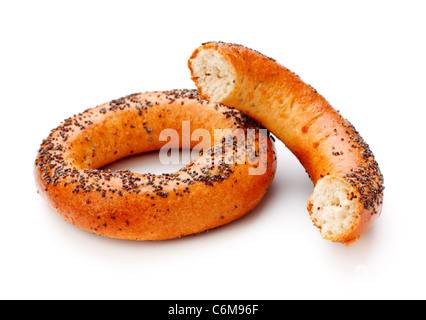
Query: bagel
[[205, 194], [348, 184]]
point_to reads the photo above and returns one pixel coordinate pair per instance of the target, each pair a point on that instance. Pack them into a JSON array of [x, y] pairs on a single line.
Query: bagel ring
[[348, 193], [207, 193]]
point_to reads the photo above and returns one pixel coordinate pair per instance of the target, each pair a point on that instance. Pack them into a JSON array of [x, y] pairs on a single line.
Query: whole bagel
[[348, 192], [207, 193]]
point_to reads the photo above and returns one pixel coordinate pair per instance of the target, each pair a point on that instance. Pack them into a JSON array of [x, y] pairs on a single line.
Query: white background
[[366, 57]]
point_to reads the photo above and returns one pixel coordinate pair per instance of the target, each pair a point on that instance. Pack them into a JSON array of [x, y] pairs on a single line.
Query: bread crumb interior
[[334, 209], [213, 74]]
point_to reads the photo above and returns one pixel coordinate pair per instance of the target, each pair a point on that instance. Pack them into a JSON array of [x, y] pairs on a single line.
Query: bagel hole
[[214, 74], [150, 163], [332, 210]]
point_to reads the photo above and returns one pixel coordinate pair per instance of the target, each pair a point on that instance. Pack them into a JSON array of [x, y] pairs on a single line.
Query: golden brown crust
[[128, 205], [324, 142]]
